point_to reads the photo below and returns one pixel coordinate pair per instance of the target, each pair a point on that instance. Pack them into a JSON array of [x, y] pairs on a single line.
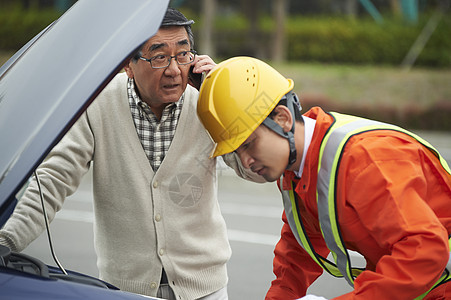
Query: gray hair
[[172, 18]]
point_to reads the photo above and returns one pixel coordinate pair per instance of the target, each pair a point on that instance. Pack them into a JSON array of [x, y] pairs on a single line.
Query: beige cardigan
[[143, 220]]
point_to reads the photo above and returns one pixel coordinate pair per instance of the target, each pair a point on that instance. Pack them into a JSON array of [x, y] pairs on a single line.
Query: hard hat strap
[[271, 124]]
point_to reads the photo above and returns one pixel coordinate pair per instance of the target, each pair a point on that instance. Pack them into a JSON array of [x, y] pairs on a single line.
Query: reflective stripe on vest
[[342, 129]]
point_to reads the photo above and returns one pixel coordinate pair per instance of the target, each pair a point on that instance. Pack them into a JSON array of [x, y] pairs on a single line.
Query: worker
[[347, 184]]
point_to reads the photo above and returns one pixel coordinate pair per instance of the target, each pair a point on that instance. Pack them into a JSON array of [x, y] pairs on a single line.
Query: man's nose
[[246, 159], [173, 69]]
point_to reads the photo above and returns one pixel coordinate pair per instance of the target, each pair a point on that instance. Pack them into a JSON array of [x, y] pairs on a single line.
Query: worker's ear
[[283, 117]]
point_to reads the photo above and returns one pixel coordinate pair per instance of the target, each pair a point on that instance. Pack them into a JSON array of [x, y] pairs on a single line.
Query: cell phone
[[195, 79]]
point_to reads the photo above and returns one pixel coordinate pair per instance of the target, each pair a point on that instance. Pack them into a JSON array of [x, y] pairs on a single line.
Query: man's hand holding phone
[[199, 69]]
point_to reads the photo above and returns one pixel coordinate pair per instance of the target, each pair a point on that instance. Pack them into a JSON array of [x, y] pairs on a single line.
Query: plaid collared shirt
[[155, 135]]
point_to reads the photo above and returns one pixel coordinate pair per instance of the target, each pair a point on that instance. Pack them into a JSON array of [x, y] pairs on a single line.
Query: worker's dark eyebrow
[[154, 47]]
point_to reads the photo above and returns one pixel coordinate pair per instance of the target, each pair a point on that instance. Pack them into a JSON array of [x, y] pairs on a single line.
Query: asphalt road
[[253, 216]]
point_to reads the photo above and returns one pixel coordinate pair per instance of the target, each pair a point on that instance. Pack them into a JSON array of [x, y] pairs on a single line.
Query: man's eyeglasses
[[162, 61]]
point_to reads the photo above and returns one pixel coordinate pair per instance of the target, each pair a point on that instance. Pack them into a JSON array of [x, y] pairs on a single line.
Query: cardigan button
[[155, 184], [158, 217], [153, 285], [161, 252]]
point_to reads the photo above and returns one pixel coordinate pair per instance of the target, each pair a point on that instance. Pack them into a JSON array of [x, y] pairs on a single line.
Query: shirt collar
[[309, 127]]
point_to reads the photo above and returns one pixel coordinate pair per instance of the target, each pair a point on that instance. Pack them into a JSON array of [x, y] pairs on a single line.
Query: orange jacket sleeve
[[295, 270]]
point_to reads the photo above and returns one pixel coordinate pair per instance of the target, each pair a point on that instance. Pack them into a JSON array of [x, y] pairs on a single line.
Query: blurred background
[[389, 60], [385, 59]]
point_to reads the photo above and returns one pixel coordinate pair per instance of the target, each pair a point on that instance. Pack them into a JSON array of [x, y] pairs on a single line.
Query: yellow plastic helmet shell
[[235, 98]]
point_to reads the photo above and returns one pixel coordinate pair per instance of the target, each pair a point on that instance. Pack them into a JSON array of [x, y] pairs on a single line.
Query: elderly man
[[158, 226]]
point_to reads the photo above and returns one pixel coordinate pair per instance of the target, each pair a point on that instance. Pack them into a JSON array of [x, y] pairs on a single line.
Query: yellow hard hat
[[236, 97]]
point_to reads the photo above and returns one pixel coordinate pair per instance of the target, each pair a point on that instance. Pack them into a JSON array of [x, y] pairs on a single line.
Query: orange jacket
[[393, 207]]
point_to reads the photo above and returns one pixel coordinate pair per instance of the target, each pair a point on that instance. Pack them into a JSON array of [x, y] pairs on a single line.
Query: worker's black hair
[[297, 110]]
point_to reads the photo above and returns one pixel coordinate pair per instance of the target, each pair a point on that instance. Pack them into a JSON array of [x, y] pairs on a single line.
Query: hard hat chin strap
[[288, 135], [292, 104]]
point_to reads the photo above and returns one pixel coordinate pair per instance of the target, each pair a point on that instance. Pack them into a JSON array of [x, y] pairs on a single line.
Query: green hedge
[[336, 40], [365, 42], [315, 39], [17, 27]]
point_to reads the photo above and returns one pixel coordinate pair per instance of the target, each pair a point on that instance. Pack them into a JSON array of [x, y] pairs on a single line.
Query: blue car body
[[44, 88]]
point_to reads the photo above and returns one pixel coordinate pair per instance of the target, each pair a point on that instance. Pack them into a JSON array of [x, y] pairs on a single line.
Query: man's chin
[[172, 95], [270, 178], [271, 175]]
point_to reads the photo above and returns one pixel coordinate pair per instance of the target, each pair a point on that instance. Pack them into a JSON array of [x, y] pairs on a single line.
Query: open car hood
[[47, 84]]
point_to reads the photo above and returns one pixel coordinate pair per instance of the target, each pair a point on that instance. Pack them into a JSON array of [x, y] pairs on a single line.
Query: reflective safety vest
[[332, 145]]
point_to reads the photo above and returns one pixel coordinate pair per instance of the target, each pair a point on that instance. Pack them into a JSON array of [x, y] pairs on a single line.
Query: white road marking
[[234, 235], [249, 210], [75, 215], [252, 237]]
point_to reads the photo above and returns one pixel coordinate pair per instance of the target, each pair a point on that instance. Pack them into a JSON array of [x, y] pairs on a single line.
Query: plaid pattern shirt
[[155, 135]]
